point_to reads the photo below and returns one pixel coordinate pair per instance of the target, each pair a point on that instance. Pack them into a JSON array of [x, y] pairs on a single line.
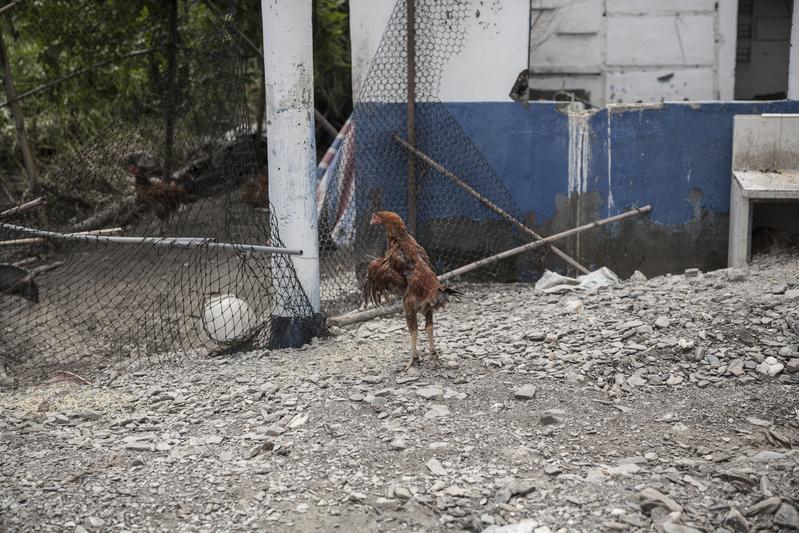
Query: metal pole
[[410, 46], [179, 242], [16, 111], [793, 61], [288, 67], [253, 248], [485, 201]]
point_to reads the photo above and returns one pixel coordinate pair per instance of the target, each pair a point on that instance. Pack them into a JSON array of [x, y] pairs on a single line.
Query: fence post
[[16, 111], [171, 88], [410, 45], [288, 67], [793, 60]]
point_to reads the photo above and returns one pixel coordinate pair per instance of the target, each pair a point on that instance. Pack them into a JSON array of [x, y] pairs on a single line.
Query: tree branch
[[8, 7], [328, 127], [51, 84]]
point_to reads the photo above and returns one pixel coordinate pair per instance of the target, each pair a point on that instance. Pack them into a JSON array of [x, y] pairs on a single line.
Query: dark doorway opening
[[763, 48], [775, 226]]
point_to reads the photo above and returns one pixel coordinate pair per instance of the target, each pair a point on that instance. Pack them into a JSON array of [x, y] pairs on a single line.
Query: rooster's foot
[[414, 359]]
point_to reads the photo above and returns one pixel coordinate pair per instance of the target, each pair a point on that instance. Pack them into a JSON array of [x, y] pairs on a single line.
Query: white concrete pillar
[[793, 62], [288, 66], [726, 43]]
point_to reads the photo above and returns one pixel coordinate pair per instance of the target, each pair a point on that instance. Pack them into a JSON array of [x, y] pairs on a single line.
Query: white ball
[[227, 318]]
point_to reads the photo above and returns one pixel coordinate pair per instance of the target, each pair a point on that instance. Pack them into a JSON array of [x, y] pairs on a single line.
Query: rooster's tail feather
[[443, 296], [453, 292]]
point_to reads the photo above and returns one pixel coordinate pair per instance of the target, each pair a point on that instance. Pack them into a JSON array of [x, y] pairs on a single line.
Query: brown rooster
[[405, 271], [161, 197], [255, 192]]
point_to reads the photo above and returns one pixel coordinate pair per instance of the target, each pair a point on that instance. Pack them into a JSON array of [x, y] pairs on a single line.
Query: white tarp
[[551, 282]]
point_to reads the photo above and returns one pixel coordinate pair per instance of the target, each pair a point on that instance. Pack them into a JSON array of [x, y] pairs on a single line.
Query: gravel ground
[[669, 404]]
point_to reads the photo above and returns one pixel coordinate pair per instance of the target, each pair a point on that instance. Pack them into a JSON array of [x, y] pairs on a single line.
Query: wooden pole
[[369, 314], [544, 241], [16, 111], [181, 242], [6, 191], [44, 268], [326, 125], [27, 206], [171, 95], [485, 201], [39, 240], [260, 155], [410, 46], [8, 7]]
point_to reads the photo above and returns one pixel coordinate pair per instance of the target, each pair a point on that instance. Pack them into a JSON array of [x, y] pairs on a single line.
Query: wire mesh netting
[[180, 173], [151, 241], [371, 173]]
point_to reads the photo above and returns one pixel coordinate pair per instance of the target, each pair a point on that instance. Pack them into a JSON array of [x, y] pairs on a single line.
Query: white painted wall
[[618, 50], [495, 52], [638, 51], [368, 19]]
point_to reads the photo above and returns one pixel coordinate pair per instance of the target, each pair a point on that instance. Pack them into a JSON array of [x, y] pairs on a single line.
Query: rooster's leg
[[162, 223], [414, 355], [410, 319], [428, 327]]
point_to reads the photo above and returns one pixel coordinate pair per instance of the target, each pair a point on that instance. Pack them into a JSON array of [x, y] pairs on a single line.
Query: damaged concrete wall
[[567, 168], [495, 35], [633, 51]]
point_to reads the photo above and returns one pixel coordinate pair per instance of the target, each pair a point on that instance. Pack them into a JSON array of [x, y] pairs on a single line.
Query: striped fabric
[[336, 186], [322, 174]]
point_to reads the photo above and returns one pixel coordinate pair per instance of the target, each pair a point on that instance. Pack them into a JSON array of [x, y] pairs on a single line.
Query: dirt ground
[[669, 404]]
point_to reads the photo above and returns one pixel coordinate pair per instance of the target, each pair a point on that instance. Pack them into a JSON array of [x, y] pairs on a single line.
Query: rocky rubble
[[670, 403]]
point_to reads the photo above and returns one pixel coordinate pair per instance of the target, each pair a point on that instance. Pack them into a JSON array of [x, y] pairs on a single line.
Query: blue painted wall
[[658, 156], [675, 156]]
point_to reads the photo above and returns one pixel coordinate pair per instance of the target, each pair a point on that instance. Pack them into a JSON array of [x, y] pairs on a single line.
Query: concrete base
[[765, 168], [290, 332]]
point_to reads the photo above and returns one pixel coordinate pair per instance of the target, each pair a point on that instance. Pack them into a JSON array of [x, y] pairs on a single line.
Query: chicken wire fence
[[371, 170], [153, 241]]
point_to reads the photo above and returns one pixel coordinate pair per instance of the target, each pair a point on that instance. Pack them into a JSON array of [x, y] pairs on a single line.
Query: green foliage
[[120, 50], [50, 39], [332, 72]]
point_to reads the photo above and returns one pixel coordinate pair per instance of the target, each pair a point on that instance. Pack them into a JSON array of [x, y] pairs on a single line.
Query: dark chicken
[[18, 281], [405, 271]]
